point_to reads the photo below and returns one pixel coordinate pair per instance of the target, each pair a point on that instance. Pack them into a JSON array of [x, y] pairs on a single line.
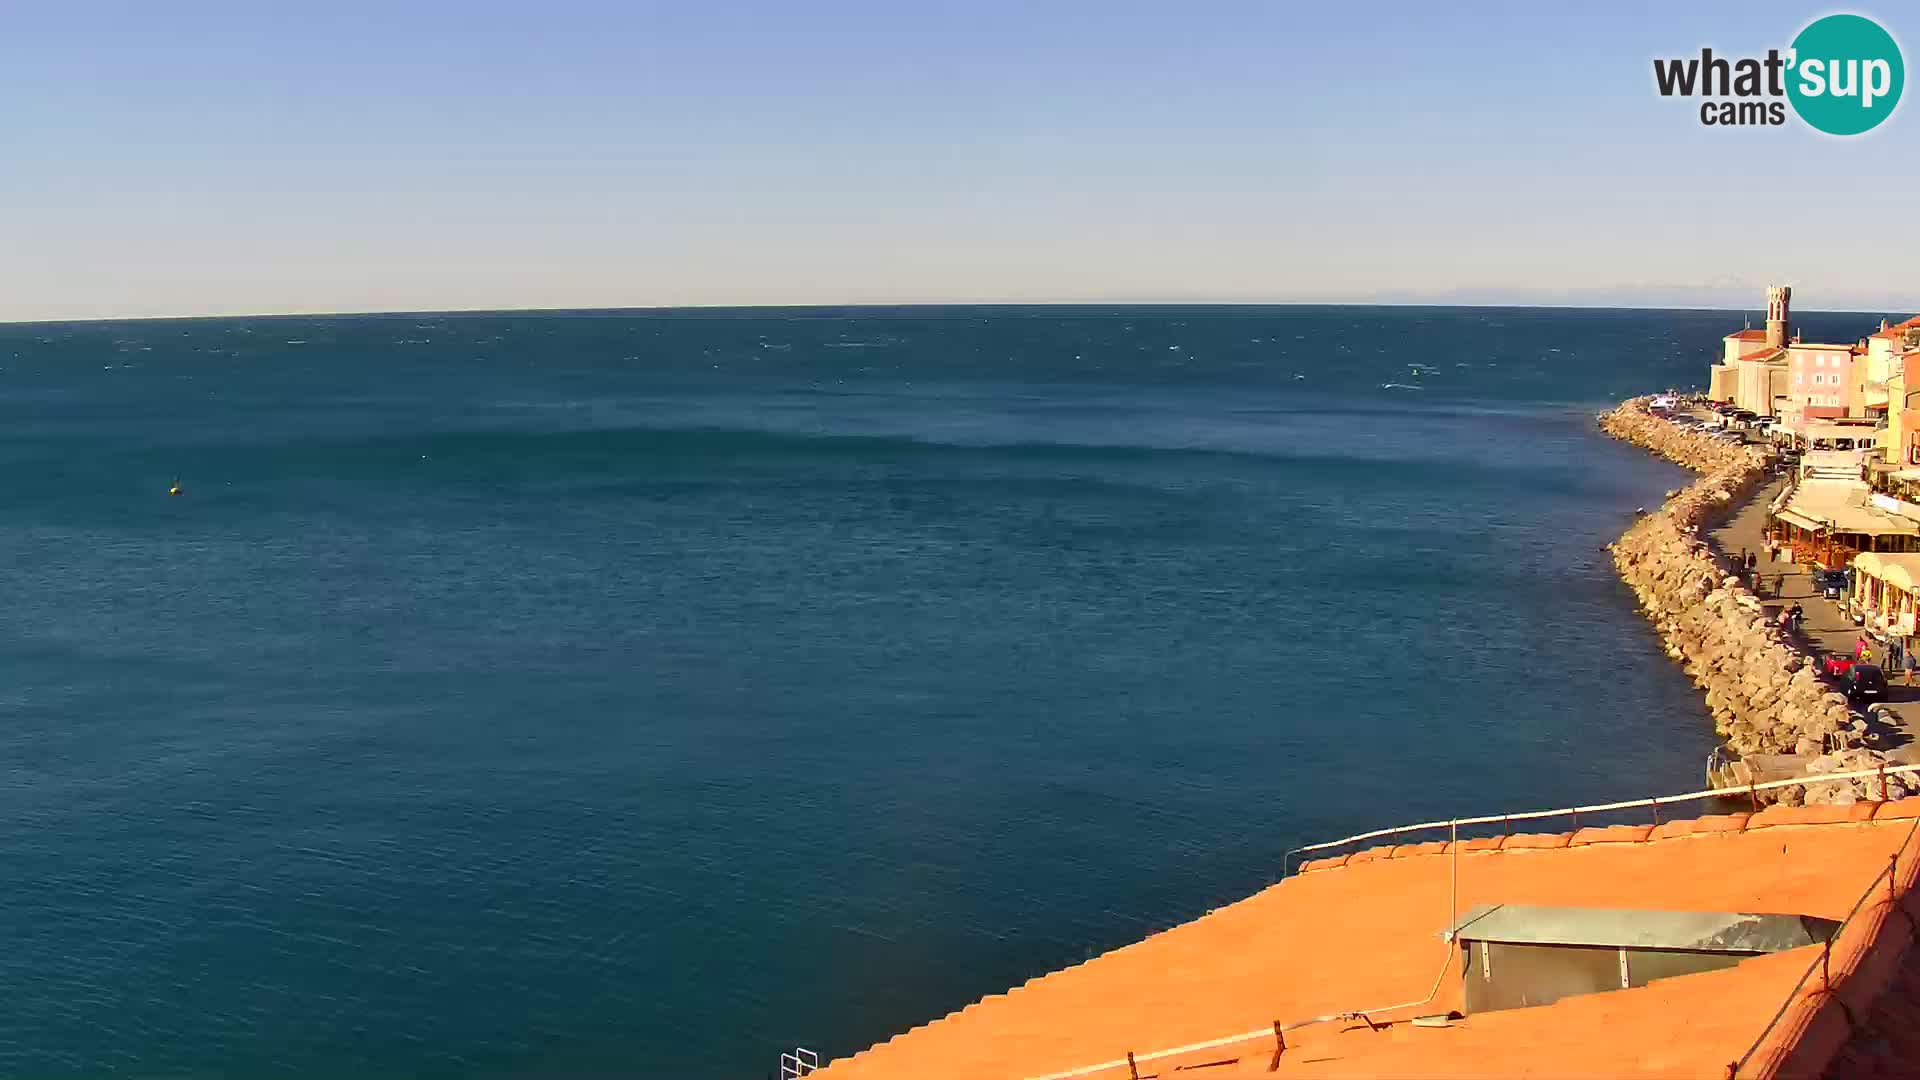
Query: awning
[[1902, 571], [1843, 506], [1800, 520]]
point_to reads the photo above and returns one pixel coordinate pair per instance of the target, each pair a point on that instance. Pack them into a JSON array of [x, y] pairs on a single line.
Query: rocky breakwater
[[1761, 688]]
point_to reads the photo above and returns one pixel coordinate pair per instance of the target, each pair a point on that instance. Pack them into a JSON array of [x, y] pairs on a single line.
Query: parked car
[[1837, 665], [1866, 684], [1833, 584]]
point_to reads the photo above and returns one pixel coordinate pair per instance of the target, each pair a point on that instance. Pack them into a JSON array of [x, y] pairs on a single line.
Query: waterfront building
[[1891, 353], [1886, 595], [1830, 519], [1773, 372], [1752, 368], [1751, 374], [1691, 948], [1821, 381]]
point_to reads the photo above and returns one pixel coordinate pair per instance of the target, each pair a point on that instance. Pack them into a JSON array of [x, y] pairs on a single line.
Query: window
[[1819, 361]]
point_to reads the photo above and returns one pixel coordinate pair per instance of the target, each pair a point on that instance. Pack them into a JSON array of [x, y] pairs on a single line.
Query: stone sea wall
[[1760, 686]]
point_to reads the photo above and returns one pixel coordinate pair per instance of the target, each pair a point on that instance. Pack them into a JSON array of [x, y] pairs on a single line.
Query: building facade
[[1821, 380]]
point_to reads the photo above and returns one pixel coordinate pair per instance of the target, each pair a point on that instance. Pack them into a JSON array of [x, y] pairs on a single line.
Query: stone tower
[[1777, 317]]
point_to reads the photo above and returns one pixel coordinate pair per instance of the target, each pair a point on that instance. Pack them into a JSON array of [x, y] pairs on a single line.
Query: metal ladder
[[801, 1062]]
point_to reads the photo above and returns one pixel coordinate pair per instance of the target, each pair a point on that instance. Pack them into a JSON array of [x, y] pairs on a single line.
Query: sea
[[645, 693]]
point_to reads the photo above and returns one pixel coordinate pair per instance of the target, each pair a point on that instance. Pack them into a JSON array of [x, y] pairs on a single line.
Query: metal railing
[[1276, 1031], [801, 1062], [1653, 803], [1824, 962]]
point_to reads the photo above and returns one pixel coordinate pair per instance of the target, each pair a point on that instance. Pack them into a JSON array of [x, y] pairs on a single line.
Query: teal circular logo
[[1846, 74]]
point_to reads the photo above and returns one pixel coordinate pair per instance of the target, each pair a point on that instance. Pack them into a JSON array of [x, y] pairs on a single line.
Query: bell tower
[[1777, 317]]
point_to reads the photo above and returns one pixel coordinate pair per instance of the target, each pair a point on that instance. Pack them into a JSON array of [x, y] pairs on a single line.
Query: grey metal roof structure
[[1628, 928]]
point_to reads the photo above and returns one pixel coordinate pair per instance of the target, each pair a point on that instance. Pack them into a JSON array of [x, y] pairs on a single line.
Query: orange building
[[1908, 425]]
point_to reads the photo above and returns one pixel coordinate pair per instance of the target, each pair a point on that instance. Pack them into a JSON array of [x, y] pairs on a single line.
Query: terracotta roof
[[1898, 329], [1759, 354], [1360, 932], [1887, 1042], [1749, 335]]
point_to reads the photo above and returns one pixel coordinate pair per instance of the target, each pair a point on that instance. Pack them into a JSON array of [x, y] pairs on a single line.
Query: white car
[[1664, 401]]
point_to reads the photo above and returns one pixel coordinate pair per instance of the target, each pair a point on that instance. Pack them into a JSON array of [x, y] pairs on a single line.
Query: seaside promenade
[[1825, 628]]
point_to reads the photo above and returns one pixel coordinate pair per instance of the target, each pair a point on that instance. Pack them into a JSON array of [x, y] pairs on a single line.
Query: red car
[[1837, 664]]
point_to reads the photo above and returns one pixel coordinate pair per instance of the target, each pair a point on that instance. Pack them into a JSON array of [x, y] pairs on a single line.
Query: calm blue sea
[[631, 694]]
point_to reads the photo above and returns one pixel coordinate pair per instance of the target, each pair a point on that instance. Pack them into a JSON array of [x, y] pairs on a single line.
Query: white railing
[[1653, 803], [801, 1062]]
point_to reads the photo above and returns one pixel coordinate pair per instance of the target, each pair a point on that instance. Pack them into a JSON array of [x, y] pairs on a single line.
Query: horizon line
[[892, 306]]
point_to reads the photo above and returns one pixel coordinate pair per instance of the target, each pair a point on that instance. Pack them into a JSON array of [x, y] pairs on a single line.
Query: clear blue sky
[[190, 158]]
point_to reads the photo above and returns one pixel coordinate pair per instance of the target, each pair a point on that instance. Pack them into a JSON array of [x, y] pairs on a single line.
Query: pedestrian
[[1753, 561], [1912, 663]]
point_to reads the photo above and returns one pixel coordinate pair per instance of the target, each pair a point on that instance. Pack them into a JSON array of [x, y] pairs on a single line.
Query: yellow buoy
[[175, 489]]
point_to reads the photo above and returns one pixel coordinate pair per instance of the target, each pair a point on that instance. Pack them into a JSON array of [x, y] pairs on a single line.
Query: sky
[[197, 158]]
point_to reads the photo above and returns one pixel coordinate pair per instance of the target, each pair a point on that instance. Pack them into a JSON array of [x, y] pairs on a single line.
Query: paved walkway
[[1825, 626]]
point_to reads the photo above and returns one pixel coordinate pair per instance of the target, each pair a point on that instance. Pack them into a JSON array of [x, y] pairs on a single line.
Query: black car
[[1832, 583], [1866, 683]]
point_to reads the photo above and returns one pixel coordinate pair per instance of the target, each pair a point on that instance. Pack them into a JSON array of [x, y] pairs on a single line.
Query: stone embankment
[[1760, 686]]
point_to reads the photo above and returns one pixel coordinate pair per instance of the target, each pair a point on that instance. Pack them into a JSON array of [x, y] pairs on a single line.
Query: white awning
[[1843, 506]]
